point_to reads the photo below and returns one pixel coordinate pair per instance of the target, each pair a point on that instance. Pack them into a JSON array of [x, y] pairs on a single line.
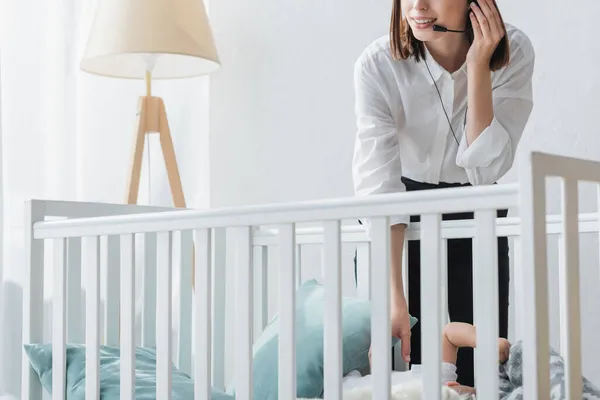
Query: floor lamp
[[151, 39]]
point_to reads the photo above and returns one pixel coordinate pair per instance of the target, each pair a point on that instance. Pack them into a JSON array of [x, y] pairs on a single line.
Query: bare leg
[[459, 334], [455, 336]]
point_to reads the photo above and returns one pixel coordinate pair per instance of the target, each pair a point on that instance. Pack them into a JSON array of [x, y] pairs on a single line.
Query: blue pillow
[[40, 358], [310, 304]]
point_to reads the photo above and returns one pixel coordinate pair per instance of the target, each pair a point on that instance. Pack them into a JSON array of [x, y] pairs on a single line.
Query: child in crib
[[454, 336]]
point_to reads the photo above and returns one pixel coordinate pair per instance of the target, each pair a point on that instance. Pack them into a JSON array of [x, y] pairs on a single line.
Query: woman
[[442, 101]]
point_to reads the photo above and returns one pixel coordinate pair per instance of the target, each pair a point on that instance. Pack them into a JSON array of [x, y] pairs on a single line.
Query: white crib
[[107, 242]]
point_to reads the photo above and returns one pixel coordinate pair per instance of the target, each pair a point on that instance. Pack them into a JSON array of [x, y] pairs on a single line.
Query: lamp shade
[[169, 38]]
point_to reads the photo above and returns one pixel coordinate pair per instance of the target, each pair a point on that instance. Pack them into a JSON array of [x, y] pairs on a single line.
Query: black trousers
[[460, 285]]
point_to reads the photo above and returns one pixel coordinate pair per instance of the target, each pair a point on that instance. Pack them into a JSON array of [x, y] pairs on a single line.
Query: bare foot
[[503, 350], [461, 389]]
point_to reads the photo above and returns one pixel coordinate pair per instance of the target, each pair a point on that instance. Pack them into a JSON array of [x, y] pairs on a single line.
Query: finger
[[484, 6], [494, 8], [495, 19], [405, 338], [497, 16], [483, 23], [489, 11], [476, 28]]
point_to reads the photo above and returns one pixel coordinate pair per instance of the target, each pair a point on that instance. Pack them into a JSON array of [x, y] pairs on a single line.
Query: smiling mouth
[[422, 23]]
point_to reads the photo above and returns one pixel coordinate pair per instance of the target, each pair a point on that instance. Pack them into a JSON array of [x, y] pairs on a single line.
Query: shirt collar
[[436, 69]]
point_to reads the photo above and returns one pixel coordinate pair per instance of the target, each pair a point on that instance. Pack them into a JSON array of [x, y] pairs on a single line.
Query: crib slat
[[243, 326], [431, 329], [219, 289], [485, 287], [261, 290], [127, 311], [185, 304], [380, 315], [398, 361], [59, 333], [534, 270], [75, 303], [405, 267], [363, 261], [149, 291], [518, 288], [202, 314], [163, 321], [333, 310], [598, 213], [110, 266], [298, 265], [287, 312], [570, 312], [91, 246], [444, 271]]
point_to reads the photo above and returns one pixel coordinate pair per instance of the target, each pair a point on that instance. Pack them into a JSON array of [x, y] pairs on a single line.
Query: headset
[[469, 32], [469, 27]]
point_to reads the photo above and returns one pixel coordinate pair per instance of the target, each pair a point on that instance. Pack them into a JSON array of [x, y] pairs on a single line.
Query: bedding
[[510, 380], [310, 305], [412, 390], [40, 358], [511, 377], [355, 380]]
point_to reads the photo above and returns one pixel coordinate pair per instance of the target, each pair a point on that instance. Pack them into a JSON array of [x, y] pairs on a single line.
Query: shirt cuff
[[485, 149], [395, 220], [400, 219]]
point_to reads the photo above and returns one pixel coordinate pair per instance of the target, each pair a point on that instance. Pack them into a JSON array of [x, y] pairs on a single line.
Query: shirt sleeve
[[492, 154], [376, 166]]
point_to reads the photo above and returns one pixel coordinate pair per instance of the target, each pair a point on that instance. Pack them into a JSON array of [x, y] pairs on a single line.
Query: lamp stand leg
[[135, 169], [166, 143], [152, 117]]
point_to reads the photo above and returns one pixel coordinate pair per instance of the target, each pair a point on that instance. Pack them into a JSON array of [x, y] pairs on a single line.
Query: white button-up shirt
[[403, 131]]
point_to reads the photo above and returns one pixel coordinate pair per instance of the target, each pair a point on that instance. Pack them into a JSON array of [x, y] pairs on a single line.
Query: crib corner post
[[33, 296], [532, 211]]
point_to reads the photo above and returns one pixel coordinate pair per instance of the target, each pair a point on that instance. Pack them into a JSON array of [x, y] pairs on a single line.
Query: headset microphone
[[439, 28]]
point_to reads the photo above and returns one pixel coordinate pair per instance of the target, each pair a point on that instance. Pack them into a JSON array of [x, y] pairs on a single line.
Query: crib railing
[[535, 169], [69, 280], [430, 205], [204, 228], [265, 239]]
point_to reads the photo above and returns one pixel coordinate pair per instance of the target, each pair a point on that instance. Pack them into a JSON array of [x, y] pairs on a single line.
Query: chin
[[425, 36]]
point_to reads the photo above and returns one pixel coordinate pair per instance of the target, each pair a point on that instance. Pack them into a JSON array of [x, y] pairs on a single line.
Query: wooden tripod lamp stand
[[152, 117], [151, 39]]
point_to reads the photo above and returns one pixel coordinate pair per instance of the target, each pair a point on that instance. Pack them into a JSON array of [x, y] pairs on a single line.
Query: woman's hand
[[400, 323], [488, 30]]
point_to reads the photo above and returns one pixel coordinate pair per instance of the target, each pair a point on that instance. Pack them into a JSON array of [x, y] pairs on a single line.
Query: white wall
[[282, 121], [67, 135]]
